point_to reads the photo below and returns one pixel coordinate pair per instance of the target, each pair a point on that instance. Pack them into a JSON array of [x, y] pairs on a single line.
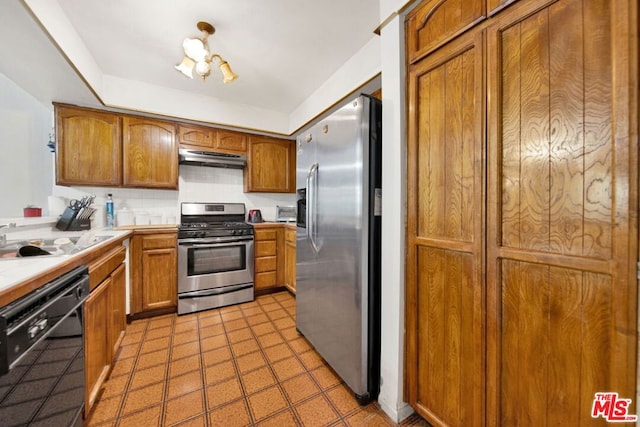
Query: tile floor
[[243, 365]]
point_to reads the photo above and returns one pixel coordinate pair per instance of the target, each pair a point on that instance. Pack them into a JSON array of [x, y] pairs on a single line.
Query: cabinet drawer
[[159, 242], [265, 280], [290, 235], [265, 234], [265, 264], [267, 248], [102, 268]]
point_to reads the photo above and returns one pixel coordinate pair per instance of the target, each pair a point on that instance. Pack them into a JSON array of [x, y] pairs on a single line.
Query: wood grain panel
[[599, 121], [510, 126], [265, 263], [445, 284], [447, 185], [561, 265], [449, 369], [566, 129], [196, 137], [534, 133], [265, 248], [435, 22], [150, 153], [89, 148], [231, 142], [270, 165], [554, 343], [159, 281]]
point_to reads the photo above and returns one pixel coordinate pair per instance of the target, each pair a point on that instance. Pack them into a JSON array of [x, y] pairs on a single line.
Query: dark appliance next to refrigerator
[[338, 183]]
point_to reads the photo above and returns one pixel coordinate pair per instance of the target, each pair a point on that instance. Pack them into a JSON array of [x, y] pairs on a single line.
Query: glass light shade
[[186, 67], [227, 75], [203, 69], [195, 49]]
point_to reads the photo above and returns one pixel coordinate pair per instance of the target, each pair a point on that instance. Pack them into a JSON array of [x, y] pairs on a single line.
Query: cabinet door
[[270, 166], [159, 278], [562, 216], [435, 22], [150, 153], [117, 308], [445, 223], [290, 264], [231, 142], [88, 148], [196, 137], [97, 354]]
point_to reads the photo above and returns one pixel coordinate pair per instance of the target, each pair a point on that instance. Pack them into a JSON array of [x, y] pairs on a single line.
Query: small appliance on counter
[[255, 216], [285, 213]]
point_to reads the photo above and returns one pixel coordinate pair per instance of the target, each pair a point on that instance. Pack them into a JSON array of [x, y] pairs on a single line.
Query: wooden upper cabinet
[[88, 147], [150, 153], [435, 22], [271, 165], [231, 142], [212, 139], [196, 137]]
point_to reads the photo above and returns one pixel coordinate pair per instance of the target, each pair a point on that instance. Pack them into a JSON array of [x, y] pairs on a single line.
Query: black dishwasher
[[42, 354]]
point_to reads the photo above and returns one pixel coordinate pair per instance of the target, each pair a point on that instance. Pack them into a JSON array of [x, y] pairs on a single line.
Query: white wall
[[393, 219], [26, 164], [197, 184]]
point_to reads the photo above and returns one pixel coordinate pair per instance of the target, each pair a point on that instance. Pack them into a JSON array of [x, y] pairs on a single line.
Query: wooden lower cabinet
[[290, 259], [97, 359], [268, 256], [154, 271], [104, 322]]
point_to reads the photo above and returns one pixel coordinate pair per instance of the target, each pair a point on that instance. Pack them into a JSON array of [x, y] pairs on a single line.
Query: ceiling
[[282, 50]]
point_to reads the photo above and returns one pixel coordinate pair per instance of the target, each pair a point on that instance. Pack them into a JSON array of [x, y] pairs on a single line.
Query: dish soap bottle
[[110, 214]]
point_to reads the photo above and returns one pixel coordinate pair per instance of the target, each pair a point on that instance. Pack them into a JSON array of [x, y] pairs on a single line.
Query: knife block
[[69, 221]]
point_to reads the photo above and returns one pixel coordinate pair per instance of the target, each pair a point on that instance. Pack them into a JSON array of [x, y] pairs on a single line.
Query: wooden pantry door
[[445, 235], [562, 210]]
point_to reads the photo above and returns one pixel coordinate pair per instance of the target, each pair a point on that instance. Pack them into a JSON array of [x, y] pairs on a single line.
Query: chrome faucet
[[3, 237]]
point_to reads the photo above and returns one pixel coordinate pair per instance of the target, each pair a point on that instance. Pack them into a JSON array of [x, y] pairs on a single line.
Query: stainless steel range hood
[[211, 159]]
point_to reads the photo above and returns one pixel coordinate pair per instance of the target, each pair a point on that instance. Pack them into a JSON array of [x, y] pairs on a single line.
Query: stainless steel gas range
[[215, 256]]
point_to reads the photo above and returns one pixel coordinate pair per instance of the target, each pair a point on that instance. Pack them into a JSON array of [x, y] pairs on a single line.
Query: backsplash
[[197, 184]]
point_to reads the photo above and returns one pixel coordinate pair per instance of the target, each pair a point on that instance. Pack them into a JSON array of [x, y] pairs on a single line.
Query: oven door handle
[[215, 241], [215, 291]]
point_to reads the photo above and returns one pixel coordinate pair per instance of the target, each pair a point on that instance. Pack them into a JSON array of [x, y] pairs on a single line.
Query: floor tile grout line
[[165, 390], [289, 406], [203, 373], [123, 398], [237, 370]]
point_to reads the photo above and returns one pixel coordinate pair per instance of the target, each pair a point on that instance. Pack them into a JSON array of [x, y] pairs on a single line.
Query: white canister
[[142, 218], [124, 217], [155, 219]]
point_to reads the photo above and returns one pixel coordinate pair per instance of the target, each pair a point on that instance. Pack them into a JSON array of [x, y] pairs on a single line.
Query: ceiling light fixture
[[198, 57]]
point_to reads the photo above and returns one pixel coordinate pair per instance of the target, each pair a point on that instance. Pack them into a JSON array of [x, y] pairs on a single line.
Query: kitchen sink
[[56, 247]]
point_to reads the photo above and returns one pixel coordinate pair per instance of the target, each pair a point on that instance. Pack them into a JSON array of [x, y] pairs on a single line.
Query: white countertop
[[17, 270]]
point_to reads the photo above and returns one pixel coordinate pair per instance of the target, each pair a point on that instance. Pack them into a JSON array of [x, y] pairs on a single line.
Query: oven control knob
[[234, 232]]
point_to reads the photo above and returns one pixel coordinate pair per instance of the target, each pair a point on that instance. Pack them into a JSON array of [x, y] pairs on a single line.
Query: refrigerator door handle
[[312, 186]]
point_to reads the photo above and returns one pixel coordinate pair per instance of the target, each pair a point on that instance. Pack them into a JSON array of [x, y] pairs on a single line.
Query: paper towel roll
[[56, 205]]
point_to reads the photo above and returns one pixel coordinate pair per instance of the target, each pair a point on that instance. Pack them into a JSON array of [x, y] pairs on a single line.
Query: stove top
[[201, 220]]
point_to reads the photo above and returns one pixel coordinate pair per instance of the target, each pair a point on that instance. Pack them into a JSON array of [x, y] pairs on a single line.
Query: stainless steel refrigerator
[[338, 182]]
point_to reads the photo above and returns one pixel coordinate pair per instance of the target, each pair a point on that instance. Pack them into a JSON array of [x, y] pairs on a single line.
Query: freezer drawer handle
[[312, 187]]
